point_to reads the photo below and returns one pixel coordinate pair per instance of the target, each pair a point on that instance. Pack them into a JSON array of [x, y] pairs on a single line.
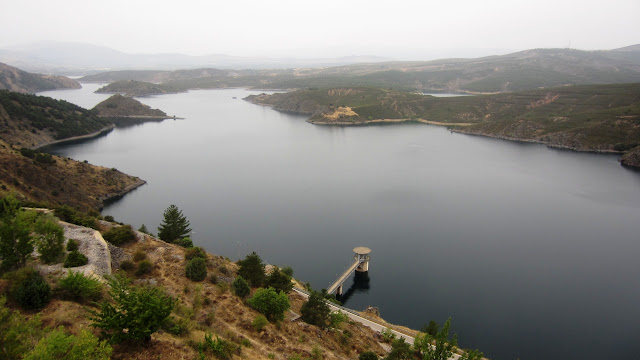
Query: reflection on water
[[360, 284]]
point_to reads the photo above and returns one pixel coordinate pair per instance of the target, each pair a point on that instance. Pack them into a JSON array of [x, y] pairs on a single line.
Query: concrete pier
[[361, 264]]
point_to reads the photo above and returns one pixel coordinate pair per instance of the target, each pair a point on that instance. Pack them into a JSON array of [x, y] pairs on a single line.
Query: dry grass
[[341, 112], [208, 308]]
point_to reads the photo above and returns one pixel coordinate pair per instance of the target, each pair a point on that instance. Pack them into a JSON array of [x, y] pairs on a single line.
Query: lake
[[532, 251]]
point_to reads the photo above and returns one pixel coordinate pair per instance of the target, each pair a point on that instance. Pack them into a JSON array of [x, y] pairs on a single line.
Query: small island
[[134, 88], [122, 110]]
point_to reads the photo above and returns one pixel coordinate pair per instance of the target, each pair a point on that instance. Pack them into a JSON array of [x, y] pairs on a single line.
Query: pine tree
[[252, 269], [315, 311], [279, 281], [174, 226]]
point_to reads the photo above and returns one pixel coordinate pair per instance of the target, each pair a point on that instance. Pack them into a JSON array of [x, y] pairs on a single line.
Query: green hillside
[[30, 120], [585, 118]]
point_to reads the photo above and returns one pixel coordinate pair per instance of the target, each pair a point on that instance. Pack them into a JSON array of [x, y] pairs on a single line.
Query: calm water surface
[[532, 251]]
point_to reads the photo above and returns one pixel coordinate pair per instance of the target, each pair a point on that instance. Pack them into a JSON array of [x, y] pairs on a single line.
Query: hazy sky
[[327, 28]]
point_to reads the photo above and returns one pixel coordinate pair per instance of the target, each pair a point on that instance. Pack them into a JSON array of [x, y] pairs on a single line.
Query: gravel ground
[[91, 244]]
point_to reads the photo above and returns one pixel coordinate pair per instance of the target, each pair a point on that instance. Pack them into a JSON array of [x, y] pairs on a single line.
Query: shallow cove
[[532, 251]]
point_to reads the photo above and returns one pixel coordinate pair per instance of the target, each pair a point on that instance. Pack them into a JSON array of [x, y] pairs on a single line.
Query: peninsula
[[29, 122], [118, 108], [14, 79], [598, 118]]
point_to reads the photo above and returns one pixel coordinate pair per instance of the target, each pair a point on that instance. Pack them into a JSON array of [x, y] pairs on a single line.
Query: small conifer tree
[[174, 225]]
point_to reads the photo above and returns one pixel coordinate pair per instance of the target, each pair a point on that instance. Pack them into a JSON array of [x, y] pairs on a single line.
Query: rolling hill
[[30, 121], [14, 79], [524, 70]]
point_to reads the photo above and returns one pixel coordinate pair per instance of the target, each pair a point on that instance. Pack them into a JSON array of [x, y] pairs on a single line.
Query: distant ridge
[[14, 79], [523, 70], [635, 47]]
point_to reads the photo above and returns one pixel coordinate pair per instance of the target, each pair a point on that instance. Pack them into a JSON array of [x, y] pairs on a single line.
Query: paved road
[[352, 314], [355, 317]]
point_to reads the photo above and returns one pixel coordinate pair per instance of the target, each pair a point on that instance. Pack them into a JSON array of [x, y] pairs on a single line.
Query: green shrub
[[49, 241], [185, 242], [75, 259], [195, 252], [241, 287], [143, 229], [144, 267], [221, 349], [119, 235], [68, 214], [30, 290], [139, 256], [78, 287], [388, 335], [368, 355], [44, 158], [26, 152], [58, 345], [278, 280], [259, 323], [336, 318], [288, 270], [270, 303], [177, 326], [18, 335], [127, 265], [141, 310], [196, 269], [72, 245], [400, 349], [15, 234]]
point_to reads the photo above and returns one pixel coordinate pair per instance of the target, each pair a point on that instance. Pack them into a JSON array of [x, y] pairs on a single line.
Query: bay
[[531, 251]]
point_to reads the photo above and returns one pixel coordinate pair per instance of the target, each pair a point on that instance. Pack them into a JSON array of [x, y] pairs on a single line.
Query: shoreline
[[150, 117], [459, 129], [110, 198], [75, 138], [387, 121], [533, 141]]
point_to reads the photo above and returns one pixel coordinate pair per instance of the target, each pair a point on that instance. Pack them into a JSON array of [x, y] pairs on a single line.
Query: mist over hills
[[523, 70], [80, 58]]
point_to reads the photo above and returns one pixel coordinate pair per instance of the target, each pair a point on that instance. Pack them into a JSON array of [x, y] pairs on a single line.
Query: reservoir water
[[533, 252]]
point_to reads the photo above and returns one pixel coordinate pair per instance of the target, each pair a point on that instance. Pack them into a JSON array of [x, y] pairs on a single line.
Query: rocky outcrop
[[631, 158], [92, 245]]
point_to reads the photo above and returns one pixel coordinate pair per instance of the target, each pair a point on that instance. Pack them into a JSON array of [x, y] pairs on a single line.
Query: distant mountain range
[[81, 58], [523, 70]]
